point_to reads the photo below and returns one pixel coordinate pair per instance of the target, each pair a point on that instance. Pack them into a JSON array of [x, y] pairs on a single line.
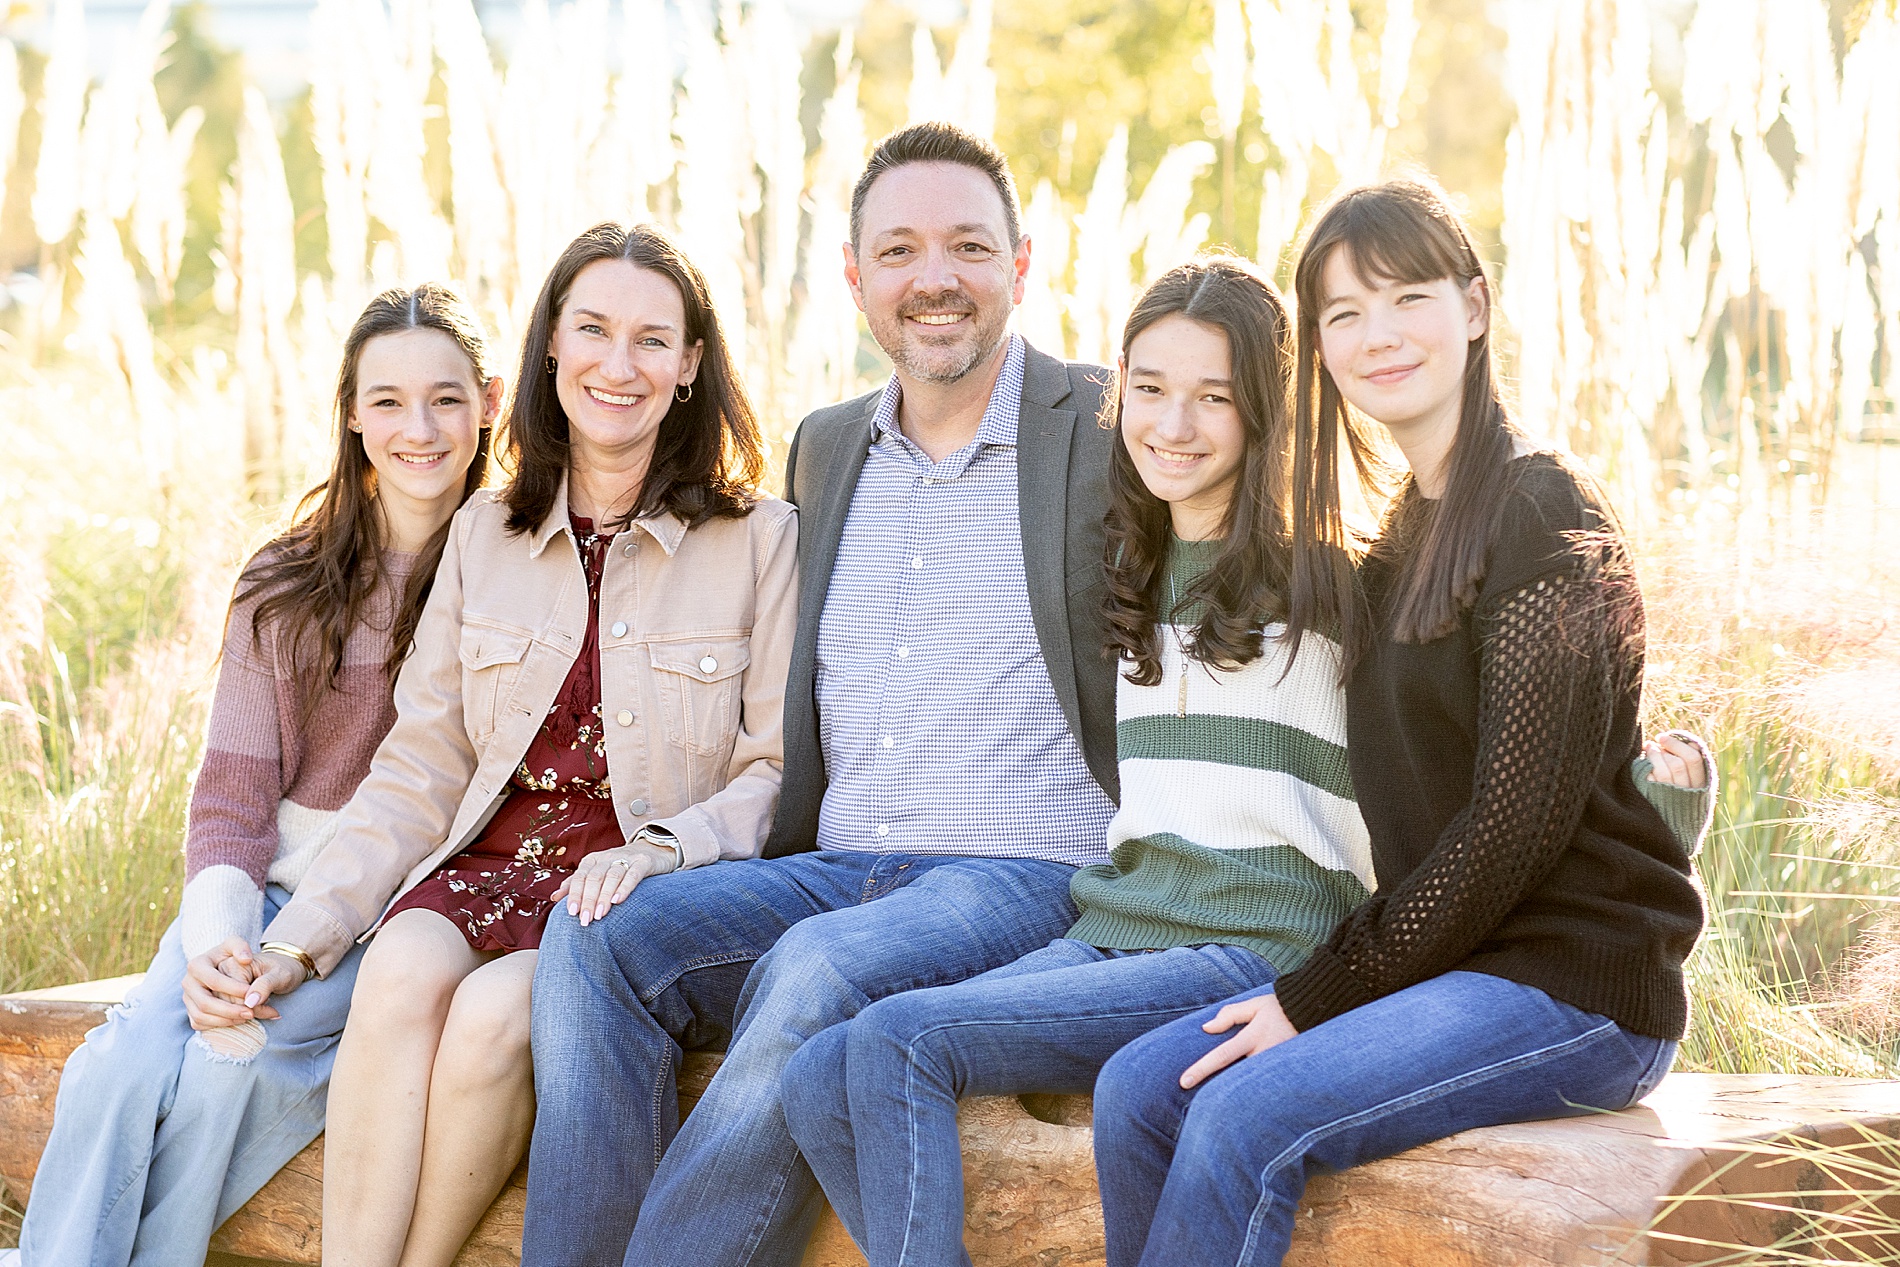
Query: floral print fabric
[[559, 806]]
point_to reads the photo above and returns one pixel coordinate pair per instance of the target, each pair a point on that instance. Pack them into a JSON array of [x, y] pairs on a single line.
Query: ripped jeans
[[157, 1139]]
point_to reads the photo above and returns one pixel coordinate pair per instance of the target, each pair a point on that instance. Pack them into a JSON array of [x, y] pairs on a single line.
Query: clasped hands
[[231, 983]]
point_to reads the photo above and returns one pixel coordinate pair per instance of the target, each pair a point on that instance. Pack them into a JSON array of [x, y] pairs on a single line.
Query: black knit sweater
[[1493, 769]]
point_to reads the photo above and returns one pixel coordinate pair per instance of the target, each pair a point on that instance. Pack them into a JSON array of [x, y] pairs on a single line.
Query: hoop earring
[[683, 387], [552, 363]]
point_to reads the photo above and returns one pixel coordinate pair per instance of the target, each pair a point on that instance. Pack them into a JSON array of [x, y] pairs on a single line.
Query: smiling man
[[949, 750]]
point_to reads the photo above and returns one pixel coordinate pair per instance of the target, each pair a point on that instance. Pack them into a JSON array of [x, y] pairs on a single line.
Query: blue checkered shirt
[[941, 732]]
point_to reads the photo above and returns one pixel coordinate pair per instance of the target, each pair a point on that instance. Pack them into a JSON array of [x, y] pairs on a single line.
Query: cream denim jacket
[[697, 633]]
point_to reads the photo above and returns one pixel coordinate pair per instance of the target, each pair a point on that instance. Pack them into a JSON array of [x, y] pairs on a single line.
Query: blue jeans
[[787, 946], [873, 1103], [157, 1140], [1214, 1175]]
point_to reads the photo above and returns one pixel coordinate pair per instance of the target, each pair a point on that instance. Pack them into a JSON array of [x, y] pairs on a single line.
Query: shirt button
[[619, 630], [917, 563], [887, 741], [627, 549], [883, 829], [624, 717], [707, 664], [636, 806], [903, 653]]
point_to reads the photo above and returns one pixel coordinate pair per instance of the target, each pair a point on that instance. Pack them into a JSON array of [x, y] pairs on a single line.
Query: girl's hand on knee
[[1263, 1024], [603, 880], [216, 984]]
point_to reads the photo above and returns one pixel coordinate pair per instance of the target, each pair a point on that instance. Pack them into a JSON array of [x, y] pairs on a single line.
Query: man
[[949, 750]]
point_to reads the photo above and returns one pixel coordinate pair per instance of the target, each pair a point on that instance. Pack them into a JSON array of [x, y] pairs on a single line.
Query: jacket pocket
[[491, 666], [700, 681]]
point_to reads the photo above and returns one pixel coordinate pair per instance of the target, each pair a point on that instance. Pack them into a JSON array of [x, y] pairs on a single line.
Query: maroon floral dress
[[559, 806]]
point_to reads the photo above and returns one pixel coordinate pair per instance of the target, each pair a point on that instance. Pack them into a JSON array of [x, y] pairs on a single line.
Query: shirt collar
[[666, 527], [1000, 416]]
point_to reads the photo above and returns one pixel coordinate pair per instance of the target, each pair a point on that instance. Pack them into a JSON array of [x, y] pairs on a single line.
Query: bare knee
[[410, 974], [485, 1040]]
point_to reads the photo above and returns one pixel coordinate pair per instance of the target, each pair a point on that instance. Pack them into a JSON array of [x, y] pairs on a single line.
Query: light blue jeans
[[156, 1140]]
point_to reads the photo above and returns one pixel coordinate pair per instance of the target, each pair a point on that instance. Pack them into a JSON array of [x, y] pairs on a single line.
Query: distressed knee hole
[[233, 1044]]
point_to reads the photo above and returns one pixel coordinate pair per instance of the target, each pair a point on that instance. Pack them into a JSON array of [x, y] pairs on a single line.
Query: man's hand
[[1263, 1024]]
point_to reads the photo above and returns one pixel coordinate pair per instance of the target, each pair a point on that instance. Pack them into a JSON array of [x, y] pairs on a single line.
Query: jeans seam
[[1411, 1099], [690, 965]]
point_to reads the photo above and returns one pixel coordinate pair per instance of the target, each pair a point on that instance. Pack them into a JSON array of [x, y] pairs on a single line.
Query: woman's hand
[[275, 974], [602, 880], [217, 983], [1263, 1024], [1676, 762]]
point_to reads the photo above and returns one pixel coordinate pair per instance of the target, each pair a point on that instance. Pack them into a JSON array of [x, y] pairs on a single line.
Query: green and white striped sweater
[[1237, 823]]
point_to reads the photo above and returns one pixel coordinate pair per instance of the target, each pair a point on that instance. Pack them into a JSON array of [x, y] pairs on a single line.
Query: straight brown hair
[[1252, 580], [316, 578], [709, 457], [1403, 231]]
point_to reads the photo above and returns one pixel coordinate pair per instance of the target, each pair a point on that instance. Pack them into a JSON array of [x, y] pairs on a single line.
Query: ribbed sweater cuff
[[1687, 811], [1321, 990]]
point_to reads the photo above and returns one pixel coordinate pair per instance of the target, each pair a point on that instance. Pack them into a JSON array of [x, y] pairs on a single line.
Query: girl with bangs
[[1238, 846], [1522, 954]]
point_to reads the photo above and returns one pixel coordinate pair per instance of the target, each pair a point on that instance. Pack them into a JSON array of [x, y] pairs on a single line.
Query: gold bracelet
[[289, 951]]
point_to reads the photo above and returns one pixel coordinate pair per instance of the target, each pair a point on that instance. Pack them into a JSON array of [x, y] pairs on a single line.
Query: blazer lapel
[[1044, 433]]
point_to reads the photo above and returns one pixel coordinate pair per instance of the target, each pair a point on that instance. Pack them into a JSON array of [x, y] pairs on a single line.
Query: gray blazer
[[1062, 494]]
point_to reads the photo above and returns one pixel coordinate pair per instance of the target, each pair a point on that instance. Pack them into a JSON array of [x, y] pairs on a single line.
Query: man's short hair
[[937, 143]]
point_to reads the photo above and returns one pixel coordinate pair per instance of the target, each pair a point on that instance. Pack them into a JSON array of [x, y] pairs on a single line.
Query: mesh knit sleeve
[[1550, 666]]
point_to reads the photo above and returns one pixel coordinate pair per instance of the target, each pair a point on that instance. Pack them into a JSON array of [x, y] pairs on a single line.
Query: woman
[[1522, 957], [182, 1104], [595, 699], [1238, 845]]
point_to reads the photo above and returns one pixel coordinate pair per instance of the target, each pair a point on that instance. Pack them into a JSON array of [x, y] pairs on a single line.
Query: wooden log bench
[[1705, 1164]]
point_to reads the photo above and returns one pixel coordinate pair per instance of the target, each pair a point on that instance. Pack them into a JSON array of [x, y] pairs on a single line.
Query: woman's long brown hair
[[1404, 231], [1251, 581], [315, 580], [708, 458]]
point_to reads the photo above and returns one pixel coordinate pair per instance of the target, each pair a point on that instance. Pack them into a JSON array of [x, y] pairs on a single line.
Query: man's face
[[933, 270]]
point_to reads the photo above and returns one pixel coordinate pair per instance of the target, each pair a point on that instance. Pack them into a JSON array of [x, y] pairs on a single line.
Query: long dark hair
[[1404, 231], [708, 458], [315, 580], [1251, 580]]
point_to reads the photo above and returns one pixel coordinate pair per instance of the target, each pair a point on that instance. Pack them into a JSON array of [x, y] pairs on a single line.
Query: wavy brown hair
[[1403, 231], [708, 458], [1252, 580], [315, 580]]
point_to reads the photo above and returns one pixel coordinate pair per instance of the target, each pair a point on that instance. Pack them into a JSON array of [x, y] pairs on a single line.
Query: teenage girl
[[1522, 954], [180, 1107]]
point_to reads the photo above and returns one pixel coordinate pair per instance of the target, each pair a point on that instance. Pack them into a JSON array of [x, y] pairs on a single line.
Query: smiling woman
[[595, 700]]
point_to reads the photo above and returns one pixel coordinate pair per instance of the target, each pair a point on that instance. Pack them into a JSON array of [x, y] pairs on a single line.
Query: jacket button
[[619, 630], [707, 664], [636, 806], [624, 717]]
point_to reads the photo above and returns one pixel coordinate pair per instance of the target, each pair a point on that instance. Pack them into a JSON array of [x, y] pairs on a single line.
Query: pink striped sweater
[[275, 774]]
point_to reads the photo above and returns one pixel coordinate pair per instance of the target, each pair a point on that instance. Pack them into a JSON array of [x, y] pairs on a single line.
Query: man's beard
[[919, 362]]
